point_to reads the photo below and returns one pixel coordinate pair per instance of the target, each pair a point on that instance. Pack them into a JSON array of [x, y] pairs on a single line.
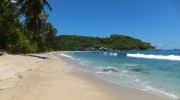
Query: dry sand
[[34, 78]]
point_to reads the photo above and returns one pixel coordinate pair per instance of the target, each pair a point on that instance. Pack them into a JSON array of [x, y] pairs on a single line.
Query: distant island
[[114, 42]]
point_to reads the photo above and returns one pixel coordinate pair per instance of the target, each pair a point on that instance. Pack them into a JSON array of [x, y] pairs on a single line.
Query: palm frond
[[48, 5]]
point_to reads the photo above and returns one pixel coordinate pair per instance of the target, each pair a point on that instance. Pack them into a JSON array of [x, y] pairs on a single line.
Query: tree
[[114, 42], [32, 10], [46, 38], [7, 22], [22, 37]]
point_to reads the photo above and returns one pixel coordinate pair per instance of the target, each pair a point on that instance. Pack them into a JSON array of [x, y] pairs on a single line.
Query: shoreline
[[117, 89], [111, 76], [54, 79]]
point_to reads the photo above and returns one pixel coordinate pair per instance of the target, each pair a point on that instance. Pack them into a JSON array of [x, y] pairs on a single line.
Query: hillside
[[114, 42]]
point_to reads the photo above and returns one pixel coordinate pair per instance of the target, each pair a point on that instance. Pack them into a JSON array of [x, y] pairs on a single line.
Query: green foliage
[[36, 35], [46, 39], [34, 13], [114, 42], [77, 42], [21, 44], [120, 42], [23, 37], [7, 22]]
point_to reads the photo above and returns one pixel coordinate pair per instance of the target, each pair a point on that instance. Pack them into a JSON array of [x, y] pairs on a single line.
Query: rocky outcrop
[[2, 53]]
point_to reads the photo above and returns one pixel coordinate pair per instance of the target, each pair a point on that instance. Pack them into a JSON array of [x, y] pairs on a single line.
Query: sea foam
[[151, 56], [110, 54], [125, 75], [66, 56]]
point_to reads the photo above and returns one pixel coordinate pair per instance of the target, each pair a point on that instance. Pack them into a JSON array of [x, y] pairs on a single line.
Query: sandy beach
[[48, 77]]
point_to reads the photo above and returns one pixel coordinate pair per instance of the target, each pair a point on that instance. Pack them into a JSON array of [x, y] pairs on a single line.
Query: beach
[[48, 77]]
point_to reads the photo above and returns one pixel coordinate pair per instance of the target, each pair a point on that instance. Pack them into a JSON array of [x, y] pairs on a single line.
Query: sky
[[154, 21]]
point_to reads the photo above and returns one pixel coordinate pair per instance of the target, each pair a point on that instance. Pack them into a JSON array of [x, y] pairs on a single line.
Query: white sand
[[12, 64], [53, 79]]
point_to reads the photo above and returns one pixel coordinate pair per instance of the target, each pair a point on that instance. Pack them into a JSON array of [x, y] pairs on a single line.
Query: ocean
[[156, 72]]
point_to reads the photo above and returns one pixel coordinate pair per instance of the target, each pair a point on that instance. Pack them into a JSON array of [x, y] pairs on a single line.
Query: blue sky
[[154, 21]]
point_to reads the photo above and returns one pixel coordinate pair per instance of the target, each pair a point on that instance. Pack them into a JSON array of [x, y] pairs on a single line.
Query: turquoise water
[[156, 72]]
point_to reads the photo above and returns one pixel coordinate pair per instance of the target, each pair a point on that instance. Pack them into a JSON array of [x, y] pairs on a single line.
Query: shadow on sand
[[38, 56]]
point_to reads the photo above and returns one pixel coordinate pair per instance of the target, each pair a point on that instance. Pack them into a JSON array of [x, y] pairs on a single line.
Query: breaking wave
[[151, 56], [110, 54], [64, 55]]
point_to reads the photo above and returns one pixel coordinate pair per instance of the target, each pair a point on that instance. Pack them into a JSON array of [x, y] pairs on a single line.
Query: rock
[[109, 70], [136, 69], [2, 53]]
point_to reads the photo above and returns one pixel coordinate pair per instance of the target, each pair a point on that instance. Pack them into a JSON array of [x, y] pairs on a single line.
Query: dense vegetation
[[114, 42], [32, 34], [24, 29]]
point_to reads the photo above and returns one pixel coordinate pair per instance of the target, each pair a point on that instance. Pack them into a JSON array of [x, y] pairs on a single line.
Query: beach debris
[[109, 70]]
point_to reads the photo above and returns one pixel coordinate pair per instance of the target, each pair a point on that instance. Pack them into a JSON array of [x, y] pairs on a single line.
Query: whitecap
[[64, 55], [151, 56]]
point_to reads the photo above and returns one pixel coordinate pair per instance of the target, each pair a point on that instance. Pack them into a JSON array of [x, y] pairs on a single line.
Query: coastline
[[54, 79]]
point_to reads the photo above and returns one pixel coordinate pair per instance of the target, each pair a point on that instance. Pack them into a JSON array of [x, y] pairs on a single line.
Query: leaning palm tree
[[32, 10]]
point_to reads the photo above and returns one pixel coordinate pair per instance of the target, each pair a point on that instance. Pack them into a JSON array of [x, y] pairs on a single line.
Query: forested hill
[[114, 42], [24, 28]]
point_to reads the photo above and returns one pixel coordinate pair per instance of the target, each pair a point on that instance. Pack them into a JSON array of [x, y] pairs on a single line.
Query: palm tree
[[49, 34], [33, 10]]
